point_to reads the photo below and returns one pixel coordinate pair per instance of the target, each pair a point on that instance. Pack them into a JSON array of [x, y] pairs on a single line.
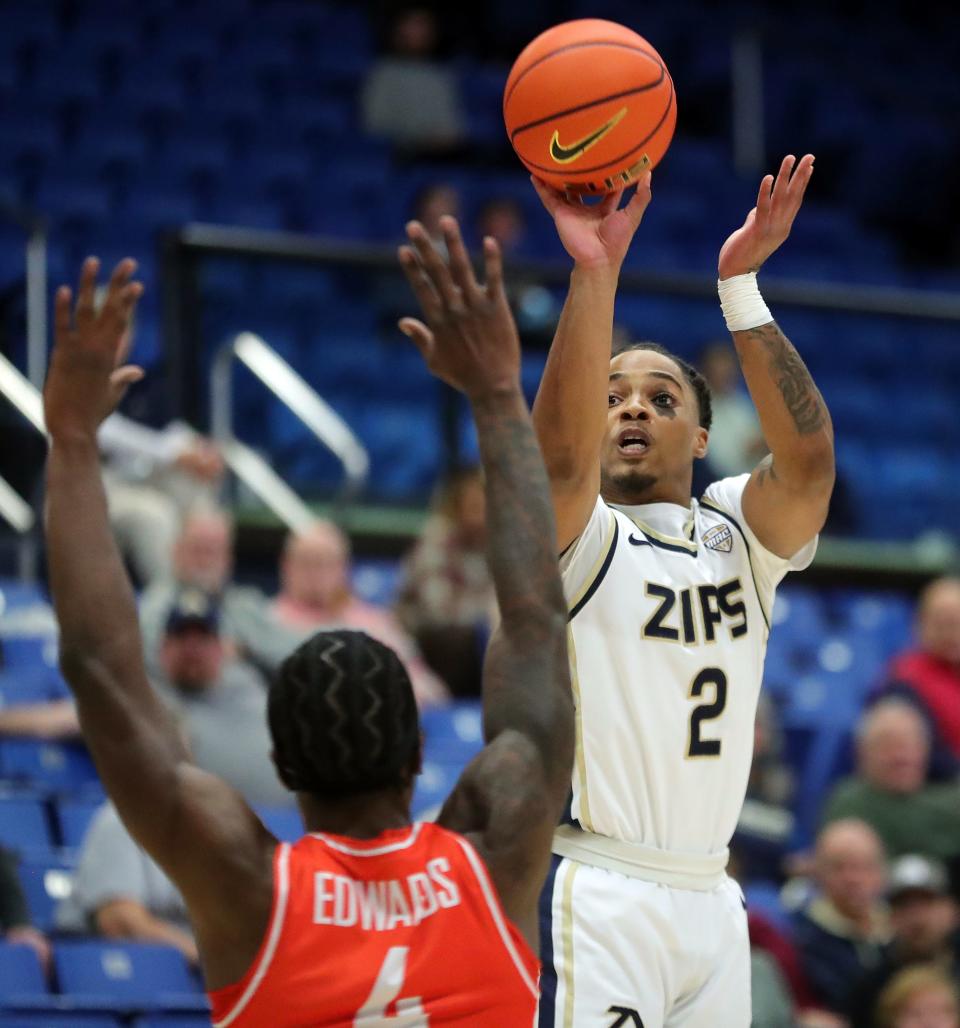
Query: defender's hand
[[595, 235], [769, 223], [87, 376], [469, 340]]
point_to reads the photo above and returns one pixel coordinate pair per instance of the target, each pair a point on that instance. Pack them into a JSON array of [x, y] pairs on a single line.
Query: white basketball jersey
[[669, 616]]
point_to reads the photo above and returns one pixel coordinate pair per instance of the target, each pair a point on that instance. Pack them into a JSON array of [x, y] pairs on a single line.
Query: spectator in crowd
[[766, 822], [920, 997], [315, 593], [446, 596], [433, 202], [203, 558], [223, 712], [889, 790], [841, 932], [14, 917], [120, 893], [736, 442], [408, 96], [929, 675], [769, 994], [926, 930], [152, 478], [220, 703], [502, 218]]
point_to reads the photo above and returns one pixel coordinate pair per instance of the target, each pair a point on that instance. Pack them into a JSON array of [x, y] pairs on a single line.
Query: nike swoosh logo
[[634, 541], [565, 154]]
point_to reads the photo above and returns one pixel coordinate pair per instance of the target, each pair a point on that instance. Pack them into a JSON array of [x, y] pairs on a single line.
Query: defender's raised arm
[[510, 798], [194, 825]]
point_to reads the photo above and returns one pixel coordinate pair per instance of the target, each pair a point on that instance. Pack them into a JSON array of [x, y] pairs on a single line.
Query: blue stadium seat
[[285, 822], [74, 816], [125, 976], [45, 883], [156, 208], [376, 581], [452, 734], [24, 825], [381, 427], [74, 204], [169, 1021], [37, 653], [27, 136], [764, 898], [21, 976], [433, 785], [74, 1019], [55, 765], [35, 685]]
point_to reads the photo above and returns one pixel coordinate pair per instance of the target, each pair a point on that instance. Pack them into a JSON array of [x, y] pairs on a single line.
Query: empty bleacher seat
[[74, 816], [376, 581], [169, 1021], [46, 882], [24, 825], [21, 976], [55, 765], [432, 786], [74, 1019], [285, 822], [127, 976], [452, 734], [22, 686]]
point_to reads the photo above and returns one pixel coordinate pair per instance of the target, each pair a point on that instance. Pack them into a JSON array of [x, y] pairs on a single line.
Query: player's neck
[[634, 498], [640, 489], [356, 817]]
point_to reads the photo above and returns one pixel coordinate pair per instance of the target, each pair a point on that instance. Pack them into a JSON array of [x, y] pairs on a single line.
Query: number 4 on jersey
[[386, 989]]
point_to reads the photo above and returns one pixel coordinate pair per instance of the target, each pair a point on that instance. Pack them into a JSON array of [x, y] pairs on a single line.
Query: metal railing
[[25, 398], [304, 402]]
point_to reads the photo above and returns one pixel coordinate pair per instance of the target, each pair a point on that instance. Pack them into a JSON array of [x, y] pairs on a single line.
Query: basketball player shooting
[[670, 602], [368, 919]]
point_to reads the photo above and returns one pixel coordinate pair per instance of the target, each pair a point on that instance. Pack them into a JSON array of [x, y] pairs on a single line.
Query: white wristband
[[742, 305]]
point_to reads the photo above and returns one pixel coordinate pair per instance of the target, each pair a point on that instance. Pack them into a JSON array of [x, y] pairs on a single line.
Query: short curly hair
[[343, 717]]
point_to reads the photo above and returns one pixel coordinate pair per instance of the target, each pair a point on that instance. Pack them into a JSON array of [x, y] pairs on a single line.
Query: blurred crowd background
[[289, 464]]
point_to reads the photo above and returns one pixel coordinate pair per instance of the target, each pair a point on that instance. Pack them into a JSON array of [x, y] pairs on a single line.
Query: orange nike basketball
[[589, 106]]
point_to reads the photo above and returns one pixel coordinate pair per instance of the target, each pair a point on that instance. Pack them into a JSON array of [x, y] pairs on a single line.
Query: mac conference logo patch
[[719, 538]]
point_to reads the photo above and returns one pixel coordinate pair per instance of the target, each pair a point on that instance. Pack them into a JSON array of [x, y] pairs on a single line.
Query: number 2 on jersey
[[386, 989], [696, 745]]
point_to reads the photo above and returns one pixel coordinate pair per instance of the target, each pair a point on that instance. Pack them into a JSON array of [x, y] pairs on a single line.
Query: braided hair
[[343, 717], [690, 373]]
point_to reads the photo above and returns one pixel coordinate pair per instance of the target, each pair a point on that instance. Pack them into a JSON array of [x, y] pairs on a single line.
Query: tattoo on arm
[[525, 674], [522, 562], [800, 394]]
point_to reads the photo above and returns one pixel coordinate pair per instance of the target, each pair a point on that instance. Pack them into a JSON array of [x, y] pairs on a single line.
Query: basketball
[[589, 106]]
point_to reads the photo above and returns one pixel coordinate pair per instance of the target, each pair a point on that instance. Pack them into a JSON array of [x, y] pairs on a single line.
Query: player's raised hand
[[595, 235], [468, 337], [87, 376], [769, 223]]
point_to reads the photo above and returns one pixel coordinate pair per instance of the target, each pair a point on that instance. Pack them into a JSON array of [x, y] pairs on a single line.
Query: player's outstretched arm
[[786, 500], [510, 798], [195, 826], [570, 409]]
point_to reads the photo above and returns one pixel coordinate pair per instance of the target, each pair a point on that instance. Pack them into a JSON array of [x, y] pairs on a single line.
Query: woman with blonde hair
[[923, 996]]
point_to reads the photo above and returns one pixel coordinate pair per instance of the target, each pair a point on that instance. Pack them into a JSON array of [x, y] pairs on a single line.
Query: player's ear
[[700, 442]]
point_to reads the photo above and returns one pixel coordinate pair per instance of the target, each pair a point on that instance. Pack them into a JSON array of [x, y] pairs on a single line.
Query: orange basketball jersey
[[403, 931]]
